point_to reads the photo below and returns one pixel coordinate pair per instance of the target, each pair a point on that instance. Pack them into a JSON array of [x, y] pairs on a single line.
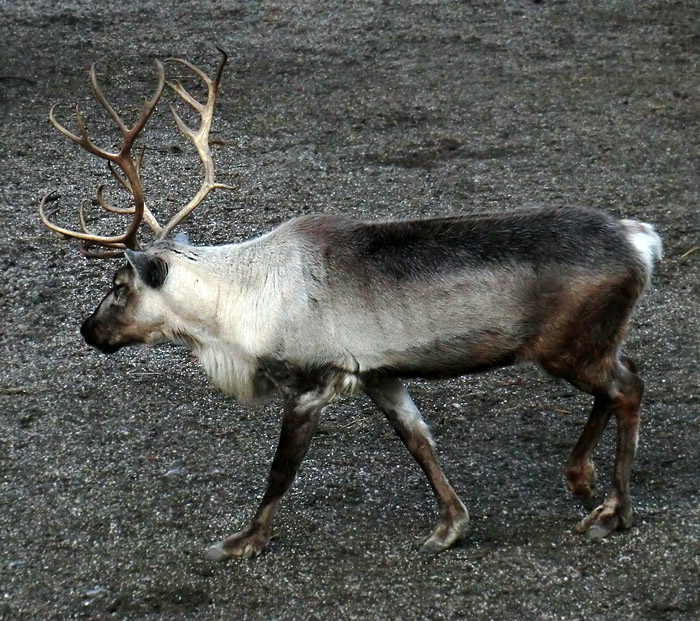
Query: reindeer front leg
[[392, 398], [301, 416]]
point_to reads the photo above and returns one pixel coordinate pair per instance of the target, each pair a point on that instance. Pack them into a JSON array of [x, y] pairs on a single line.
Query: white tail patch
[[646, 242]]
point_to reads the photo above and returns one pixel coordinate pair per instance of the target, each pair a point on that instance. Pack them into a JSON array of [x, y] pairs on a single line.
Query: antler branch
[[122, 160], [199, 137]]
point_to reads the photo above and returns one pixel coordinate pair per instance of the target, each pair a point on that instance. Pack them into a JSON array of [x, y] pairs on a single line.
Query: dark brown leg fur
[[616, 511], [618, 394], [301, 416]]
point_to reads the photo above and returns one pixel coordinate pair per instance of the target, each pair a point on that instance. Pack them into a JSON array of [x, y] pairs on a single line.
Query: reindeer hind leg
[[625, 391], [579, 469], [617, 390]]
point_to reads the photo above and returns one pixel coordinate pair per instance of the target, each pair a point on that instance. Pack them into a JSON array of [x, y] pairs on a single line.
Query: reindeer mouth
[[107, 349], [88, 333]]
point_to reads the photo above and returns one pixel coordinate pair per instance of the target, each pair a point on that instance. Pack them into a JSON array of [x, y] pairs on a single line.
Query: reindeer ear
[[181, 238], [152, 270]]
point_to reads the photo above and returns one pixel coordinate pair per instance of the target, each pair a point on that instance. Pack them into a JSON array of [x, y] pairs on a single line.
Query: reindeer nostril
[[87, 331]]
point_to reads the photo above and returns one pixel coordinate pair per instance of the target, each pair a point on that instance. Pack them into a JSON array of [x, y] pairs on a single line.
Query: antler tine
[[89, 240], [147, 214], [185, 96], [99, 95], [111, 208], [196, 70], [129, 134], [199, 136], [83, 140], [129, 177], [83, 235], [88, 253], [119, 177], [139, 160], [84, 227], [150, 105]]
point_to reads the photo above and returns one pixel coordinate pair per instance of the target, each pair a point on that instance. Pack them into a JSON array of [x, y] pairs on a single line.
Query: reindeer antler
[[128, 172], [121, 159], [200, 136]]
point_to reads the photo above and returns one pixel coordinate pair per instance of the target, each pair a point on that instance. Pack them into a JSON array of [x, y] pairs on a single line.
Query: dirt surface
[[117, 472]]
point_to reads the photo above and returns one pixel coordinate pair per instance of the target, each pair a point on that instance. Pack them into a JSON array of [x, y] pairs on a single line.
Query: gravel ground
[[117, 472]]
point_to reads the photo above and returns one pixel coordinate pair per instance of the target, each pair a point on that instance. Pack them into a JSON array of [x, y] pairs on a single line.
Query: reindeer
[[324, 305]]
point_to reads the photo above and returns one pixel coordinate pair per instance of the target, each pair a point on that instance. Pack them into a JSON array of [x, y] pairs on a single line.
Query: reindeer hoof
[[598, 531], [447, 532], [246, 544], [605, 519], [216, 553], [434, 545]]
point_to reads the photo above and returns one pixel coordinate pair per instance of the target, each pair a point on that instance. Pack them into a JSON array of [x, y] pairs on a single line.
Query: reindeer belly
[[454, 337]]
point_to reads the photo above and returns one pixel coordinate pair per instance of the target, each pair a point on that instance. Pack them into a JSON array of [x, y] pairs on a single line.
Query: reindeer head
[[134, 310]]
